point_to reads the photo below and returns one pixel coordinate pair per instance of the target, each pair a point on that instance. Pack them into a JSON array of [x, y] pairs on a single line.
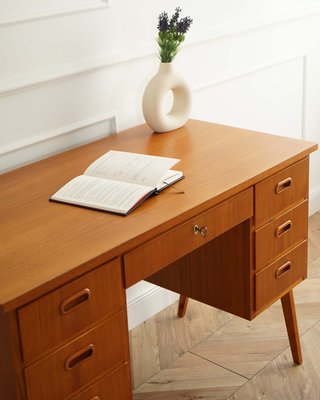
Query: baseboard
[[148, 303], [314, 201]]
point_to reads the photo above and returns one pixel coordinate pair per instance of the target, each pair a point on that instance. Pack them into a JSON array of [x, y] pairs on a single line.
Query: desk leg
[[290, 317], [183, 302]]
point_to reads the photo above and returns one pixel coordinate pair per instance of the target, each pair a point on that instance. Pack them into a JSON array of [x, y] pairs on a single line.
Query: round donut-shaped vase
[[154, 95]]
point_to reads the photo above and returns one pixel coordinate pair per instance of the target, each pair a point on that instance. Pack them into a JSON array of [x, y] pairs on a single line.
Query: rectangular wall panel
[[269, 100]]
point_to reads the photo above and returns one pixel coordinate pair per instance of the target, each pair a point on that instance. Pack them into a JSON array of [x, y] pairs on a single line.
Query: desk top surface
[[44, 244]]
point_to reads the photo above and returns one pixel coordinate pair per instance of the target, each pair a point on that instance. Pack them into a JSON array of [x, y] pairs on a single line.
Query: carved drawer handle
[[284, 228], [283, 185], [79, 356], [283, 269], [202, 230], [95, 398], [75, 301]]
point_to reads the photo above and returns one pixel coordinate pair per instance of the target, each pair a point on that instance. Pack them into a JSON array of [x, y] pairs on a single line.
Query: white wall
[[75, 70]]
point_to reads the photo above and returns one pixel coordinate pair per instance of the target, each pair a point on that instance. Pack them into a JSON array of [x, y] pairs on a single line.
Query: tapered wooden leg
[[183, 302], [290, 317]]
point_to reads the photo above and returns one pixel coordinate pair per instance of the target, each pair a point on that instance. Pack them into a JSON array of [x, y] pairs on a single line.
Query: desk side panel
[[11, 377]]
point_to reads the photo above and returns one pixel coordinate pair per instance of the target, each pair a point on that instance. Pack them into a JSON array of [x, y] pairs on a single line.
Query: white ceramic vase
[[153, 98]]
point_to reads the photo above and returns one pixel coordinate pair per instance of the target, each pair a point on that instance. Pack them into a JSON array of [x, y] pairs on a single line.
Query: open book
[[119, 181]]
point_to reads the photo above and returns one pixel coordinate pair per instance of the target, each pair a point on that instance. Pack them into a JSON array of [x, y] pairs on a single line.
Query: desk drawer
[[279, 276], [115, 386], [67, 311], [81, 361], [169, 247], [281, 191], [281, 234]]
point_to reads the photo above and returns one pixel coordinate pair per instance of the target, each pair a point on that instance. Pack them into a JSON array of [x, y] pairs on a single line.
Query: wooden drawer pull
[[284, 228], [202, 230], [283, 269], [95, 398], [75, 301], [283, 185], [79, 356]]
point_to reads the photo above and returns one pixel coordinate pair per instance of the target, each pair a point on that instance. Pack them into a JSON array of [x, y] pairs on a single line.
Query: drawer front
[[80, 362], [115, 386], [281, 191], [160, 252], [281, 234], [65, 312], [272, 281]]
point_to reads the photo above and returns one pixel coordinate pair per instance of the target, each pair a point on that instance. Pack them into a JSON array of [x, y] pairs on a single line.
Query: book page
[[135, 168], [102, 193]]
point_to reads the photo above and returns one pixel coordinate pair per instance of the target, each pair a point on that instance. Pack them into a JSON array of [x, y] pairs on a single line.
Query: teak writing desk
[[236, 239]]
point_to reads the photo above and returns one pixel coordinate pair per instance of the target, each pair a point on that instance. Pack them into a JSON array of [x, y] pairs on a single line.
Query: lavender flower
[[175, 17], [163, 24], [183, 25], [171, 34]]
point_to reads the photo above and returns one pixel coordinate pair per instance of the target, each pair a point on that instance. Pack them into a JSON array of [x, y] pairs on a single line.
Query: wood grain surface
[[270, 284], [216, 274], [114, 386], [273, 196], [57, 377], [42, 324], [178, 242], [45, 244], [11, 368], [270, 246]]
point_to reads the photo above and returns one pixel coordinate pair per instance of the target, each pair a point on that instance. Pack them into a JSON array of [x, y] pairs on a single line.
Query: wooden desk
[[64, 269]]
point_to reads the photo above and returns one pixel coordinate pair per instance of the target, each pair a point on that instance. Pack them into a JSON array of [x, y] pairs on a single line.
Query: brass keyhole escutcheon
[[202, 230]]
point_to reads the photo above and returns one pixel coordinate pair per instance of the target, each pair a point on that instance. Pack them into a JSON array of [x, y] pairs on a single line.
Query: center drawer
[[69, 310], [176, 243], [80, 362]]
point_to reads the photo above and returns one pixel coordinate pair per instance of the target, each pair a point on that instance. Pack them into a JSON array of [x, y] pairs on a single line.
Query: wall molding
[[242, 27], [43, 145], [61, 131], [55, 12], [30, 80], [251, 71]]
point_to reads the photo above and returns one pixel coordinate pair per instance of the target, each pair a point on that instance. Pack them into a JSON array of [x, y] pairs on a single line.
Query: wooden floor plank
[[281, 381], [163, 338], [144, 341], [314, 235], [314, 269], [178, 335], [190, 377], [246, 347]]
